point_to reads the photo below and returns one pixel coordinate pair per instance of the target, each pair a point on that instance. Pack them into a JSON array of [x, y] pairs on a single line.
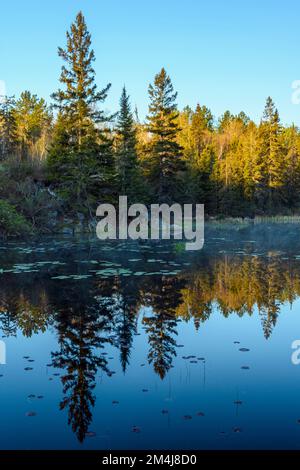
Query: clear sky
[[224, 54]]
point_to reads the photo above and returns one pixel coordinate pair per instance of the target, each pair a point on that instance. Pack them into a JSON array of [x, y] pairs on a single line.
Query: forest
[[64, 158]]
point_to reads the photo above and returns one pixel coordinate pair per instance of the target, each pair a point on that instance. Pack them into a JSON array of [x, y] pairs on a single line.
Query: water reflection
[[87, 316]]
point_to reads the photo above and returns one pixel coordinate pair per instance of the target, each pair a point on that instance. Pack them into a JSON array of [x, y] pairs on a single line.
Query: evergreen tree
[[126, 141], [33, 121], [8, 137], [291, 144], [202, 122], [270, 159], [82, 145], [166, 161]]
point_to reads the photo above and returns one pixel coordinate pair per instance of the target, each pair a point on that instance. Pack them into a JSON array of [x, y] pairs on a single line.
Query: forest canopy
[[69, 156]]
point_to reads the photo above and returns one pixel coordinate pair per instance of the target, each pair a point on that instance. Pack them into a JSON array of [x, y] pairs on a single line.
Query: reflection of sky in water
[[269, 390]]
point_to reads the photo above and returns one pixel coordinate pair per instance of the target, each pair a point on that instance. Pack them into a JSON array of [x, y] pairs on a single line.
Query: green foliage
[[129, 175], [232, 165], [165, 154], [33, 124], [8, 140], [12, 223], [81, 159]]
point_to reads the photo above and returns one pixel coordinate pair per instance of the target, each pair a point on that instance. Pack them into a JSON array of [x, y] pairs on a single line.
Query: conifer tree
[[81, 157], [33, 121], [202, 121], [165, 153], [126, 141], [8, 137], [270, 158]]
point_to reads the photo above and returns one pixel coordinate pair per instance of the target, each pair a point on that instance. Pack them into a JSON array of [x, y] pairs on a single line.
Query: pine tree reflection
[[84, 326]]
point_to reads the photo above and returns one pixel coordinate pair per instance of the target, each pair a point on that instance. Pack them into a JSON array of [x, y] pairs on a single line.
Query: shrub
[[12, 224]]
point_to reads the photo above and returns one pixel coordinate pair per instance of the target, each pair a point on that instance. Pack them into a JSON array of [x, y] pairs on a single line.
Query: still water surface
[[136, 345]]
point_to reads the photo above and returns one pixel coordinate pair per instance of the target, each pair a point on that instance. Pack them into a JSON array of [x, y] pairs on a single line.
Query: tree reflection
[[83, 330], [95, 312], [163, 298]]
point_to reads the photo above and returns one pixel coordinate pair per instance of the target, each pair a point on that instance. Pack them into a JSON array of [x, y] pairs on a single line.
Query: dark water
[[135, 345]]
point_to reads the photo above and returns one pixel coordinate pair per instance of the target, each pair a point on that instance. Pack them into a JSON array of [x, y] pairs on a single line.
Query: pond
[[147, 346]]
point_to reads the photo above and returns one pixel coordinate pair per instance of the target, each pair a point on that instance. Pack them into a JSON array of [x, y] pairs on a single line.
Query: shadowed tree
[[81, 159], [163, 297], [83, 331], [165, 154]]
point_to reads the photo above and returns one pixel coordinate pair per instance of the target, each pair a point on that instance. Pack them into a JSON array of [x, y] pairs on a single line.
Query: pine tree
[[33, 121], [202, 122], [82, 145], [8, 137], [270, 157], [166, 160], [126, 141]]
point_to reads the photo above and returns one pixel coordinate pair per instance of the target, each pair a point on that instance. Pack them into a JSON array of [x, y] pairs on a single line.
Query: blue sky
[[224, 54]]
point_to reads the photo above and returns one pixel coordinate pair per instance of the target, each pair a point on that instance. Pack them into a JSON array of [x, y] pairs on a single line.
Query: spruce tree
[[8, 137], [33, 120], [166, 160], [270, 157], [81, 158], [127, 163], [202, 122]]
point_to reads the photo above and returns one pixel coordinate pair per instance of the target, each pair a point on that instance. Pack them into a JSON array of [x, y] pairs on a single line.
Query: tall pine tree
[[81, 157], [126, 141], [166, 160]]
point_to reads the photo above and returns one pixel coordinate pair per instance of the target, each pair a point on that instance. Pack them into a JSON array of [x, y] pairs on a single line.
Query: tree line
[[75, 150]]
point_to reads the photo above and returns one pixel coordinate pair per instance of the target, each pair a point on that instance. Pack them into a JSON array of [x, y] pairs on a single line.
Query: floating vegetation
[[73, 277], [136, 429], [237, 430]]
